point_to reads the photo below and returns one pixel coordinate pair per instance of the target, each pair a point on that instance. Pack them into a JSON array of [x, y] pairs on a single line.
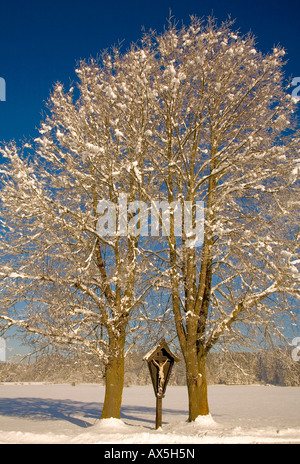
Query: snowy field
[[65, 414]]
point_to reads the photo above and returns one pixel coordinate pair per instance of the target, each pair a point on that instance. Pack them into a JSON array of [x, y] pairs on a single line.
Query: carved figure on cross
[[161, 374]]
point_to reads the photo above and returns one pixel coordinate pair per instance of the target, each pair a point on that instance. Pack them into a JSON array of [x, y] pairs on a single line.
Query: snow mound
[[200, 427], [111, 424], [206, 421]]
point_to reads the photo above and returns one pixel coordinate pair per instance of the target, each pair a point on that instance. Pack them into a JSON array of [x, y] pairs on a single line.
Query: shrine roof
[[162, 345]]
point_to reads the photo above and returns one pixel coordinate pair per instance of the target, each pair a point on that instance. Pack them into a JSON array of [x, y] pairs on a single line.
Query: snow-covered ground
[[41, 413]]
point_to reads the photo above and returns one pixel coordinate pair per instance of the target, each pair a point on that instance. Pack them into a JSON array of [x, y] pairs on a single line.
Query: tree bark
[[196, 384], [114, 381], [204, 409]]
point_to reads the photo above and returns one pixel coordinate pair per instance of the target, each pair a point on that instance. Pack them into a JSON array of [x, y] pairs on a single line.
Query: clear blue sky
[[41, 41]]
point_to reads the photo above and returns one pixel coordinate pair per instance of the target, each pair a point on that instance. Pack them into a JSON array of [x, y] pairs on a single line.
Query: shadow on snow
[[68, 410]]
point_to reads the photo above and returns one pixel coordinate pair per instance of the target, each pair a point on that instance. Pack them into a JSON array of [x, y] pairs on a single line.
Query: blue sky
[[41, 41]]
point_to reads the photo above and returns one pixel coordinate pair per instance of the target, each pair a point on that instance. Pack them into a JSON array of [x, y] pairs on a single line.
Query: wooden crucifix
[[160, 362]]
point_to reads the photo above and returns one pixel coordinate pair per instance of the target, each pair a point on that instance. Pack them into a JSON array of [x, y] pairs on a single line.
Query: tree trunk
[[203, 386], [114, 382], [196, 385]]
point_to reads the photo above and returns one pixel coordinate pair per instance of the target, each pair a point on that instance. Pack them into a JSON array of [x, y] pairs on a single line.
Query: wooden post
[[158, 422]]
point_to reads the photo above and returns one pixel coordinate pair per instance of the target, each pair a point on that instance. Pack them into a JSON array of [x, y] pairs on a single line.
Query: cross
[[160, 357]]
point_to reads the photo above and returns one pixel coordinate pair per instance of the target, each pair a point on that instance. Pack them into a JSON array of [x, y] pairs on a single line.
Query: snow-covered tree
[[224, 133], [62, 278], [195, 114]]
